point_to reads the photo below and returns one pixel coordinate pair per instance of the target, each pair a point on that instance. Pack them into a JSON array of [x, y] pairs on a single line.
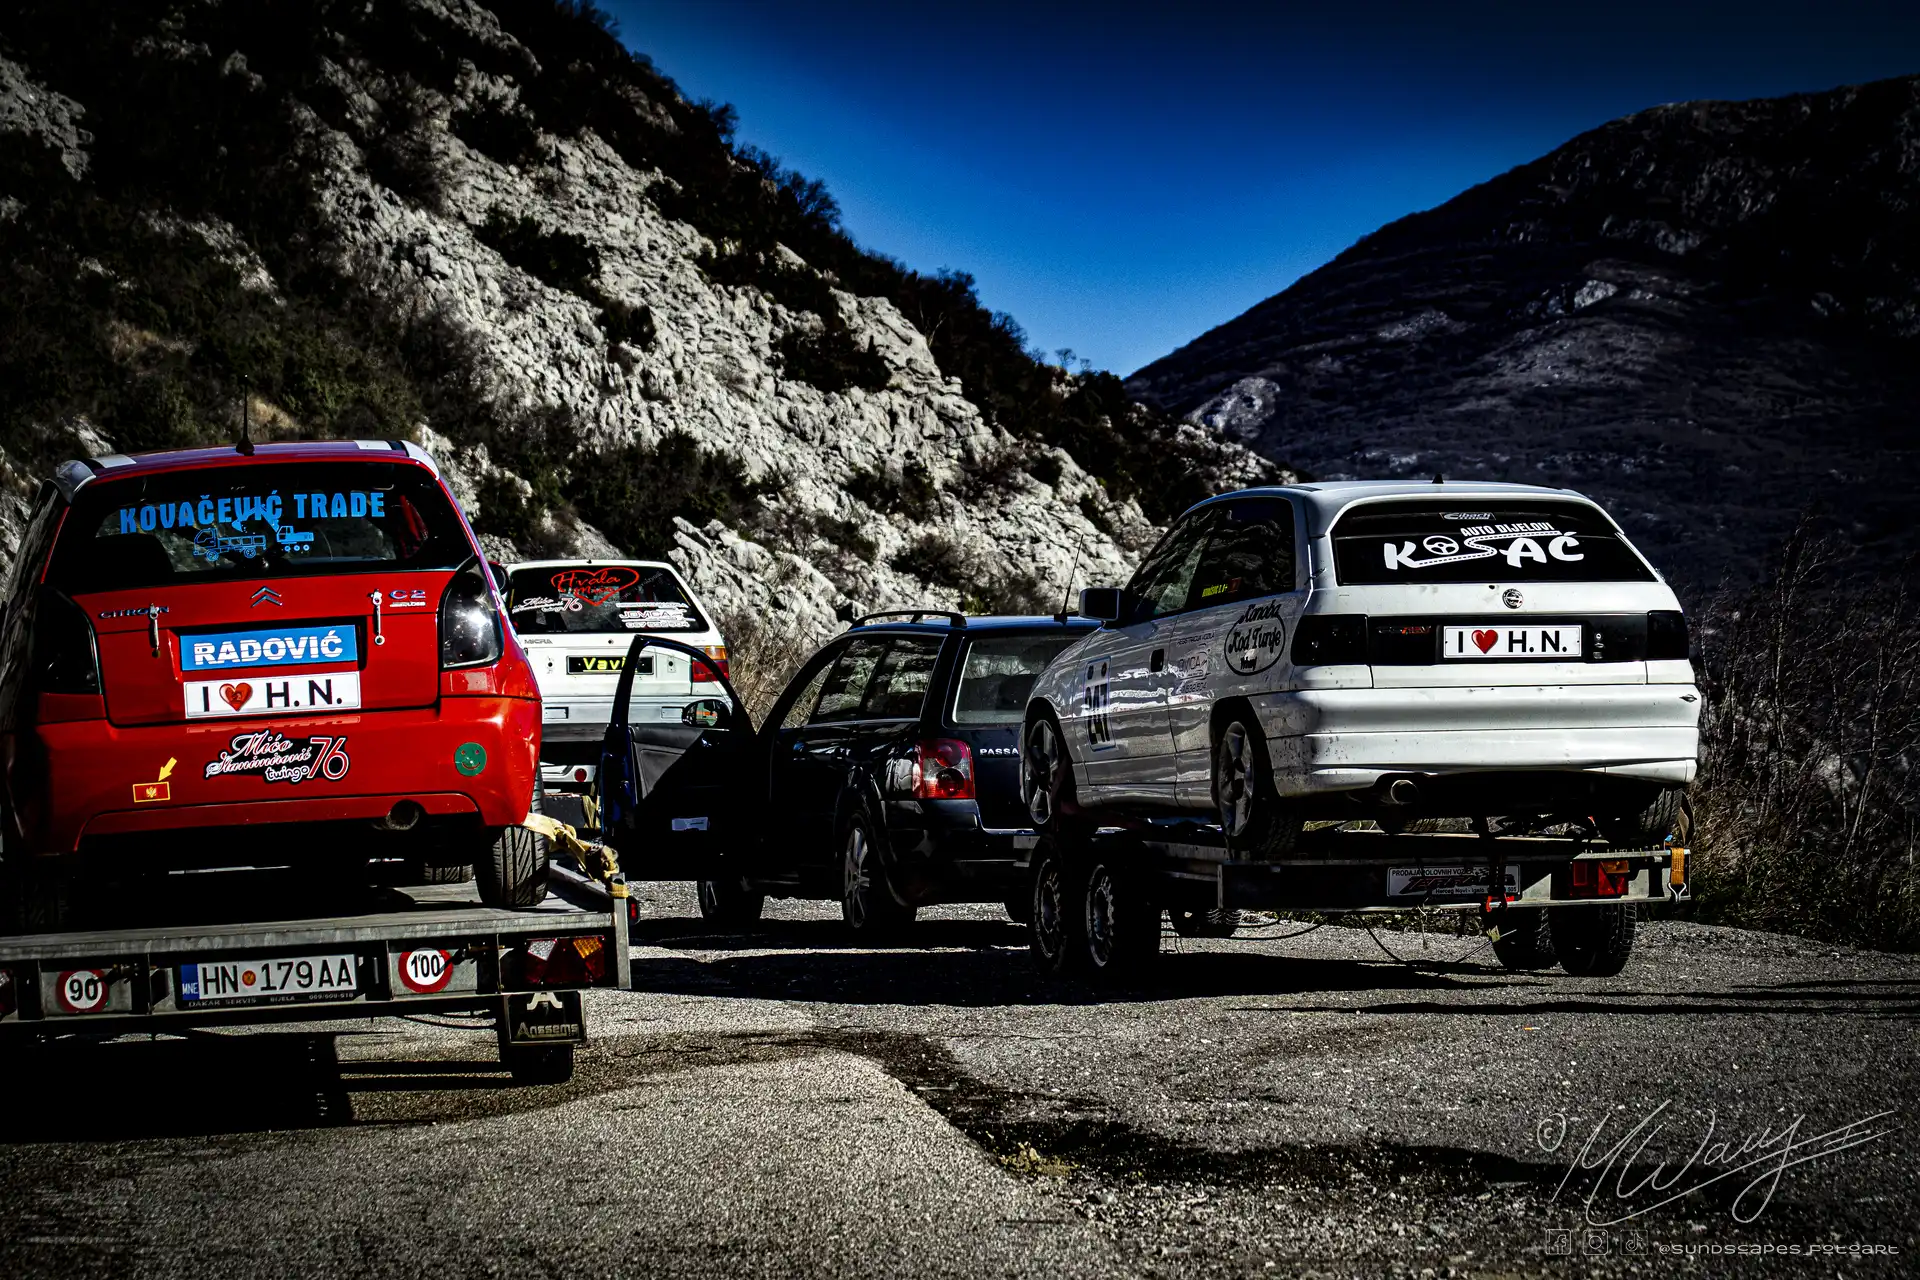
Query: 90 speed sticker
[[82, 991]]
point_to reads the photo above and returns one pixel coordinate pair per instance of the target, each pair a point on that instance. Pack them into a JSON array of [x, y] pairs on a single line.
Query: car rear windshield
[[1462, 541], [572, 599], [258, 520], [999, 674]]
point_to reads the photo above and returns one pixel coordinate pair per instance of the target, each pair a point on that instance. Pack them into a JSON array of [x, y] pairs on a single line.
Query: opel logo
[[1513, 599], [266, 595]]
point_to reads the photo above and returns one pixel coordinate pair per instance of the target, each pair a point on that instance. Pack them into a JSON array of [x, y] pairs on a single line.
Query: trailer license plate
[[1445, 882], [1511, 642], [281, 980]]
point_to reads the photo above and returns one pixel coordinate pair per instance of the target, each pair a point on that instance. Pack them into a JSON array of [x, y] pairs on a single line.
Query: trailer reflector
[[561, 962]]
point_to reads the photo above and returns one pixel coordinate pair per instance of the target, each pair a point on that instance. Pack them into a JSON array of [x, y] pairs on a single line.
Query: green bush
[[831, 360], [497, 129], [936, 559], [909, 492], [559, 258], [626, 322]]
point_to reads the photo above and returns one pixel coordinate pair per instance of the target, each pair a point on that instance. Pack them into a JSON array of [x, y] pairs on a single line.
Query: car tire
[[867, 904], [532, 1064], [729, 902], [1046, 775], [1019, 908], [1594, 942], [1212, 922], [1525, 943], [1257, 823], [512, 872], [1113, 925], [1662, 816], [448, 873]]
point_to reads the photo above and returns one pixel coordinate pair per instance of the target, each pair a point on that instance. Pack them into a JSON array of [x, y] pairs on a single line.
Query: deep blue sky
[[1123, 177]]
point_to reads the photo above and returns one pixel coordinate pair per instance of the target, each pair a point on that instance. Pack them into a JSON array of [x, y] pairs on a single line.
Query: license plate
[[1512, 642], [594, 666], [264, 695], [281, 980], [1445, 882]]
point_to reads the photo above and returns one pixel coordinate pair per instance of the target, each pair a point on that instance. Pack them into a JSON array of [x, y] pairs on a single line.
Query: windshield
[[1463, 541], [264, 520], [570, 599], [999, 674]]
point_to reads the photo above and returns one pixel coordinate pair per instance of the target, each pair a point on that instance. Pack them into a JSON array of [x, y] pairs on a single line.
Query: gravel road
[[780, 1103]]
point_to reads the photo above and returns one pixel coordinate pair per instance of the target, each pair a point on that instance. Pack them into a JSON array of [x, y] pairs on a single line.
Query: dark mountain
[[1706, 315]]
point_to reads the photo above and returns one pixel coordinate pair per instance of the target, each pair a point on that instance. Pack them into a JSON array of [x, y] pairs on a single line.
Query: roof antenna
[[1438, 478], [1066, 599], [244, 446]]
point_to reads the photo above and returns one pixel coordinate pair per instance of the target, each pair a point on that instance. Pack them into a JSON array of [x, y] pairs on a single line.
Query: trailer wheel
[[729, 902], [1113, 926], [1526, 938], [513, 870], [1258, 823], [1663, 815], [1047, 917], [1594, 942], [538, 1063], [1214, 922]]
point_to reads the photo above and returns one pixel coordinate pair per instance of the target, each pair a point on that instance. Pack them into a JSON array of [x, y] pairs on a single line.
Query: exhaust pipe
[[404, 816], [1402, 792]]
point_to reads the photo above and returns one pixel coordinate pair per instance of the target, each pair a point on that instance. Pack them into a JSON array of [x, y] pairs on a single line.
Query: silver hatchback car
[[1375, 650]]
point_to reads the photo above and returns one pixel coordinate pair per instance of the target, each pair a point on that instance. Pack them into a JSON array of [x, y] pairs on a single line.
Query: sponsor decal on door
[[1257, 638], [265, 695]]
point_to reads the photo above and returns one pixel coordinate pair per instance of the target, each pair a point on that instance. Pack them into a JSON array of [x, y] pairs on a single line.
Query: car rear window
[[577, 598], [1533, 541], [998, 675], [264, 520]]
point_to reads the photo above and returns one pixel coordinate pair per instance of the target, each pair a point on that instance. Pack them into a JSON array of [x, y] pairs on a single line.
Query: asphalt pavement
[[783, 1103]]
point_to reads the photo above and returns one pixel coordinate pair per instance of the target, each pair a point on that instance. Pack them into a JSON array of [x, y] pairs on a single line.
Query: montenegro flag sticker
[[146, 791]]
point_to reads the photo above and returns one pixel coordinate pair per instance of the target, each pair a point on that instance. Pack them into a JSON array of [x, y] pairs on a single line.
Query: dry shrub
[[1808, 804], [763, 653]]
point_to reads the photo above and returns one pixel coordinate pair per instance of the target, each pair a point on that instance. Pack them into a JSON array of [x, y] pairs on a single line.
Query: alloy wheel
[[1049, 915], [1233, 783], [859, 877], [1100, 917], [1039, 771]]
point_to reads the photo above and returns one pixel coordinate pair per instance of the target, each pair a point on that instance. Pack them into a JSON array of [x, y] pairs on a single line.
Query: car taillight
[[1322, 639], [469, 624], [1667, 636], [63, 655], [942, 770], [562, 962], [703, 672]]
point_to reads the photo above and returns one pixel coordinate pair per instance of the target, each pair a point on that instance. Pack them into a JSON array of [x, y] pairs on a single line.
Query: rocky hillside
[[495, 230], [1706, 315]]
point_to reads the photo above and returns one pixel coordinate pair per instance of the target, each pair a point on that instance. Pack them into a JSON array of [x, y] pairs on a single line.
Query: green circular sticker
[[470, 759]]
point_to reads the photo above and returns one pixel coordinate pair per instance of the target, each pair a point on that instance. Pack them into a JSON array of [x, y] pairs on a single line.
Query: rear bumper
[[1349, 739], [941, 853], [468, 755]]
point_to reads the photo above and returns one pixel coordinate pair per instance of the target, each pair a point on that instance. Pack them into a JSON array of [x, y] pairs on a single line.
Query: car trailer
[[436, 949], [1098, 898]]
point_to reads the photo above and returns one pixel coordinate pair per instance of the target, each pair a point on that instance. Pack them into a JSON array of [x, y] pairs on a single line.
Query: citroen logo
[[266, 595], [1513, 599]]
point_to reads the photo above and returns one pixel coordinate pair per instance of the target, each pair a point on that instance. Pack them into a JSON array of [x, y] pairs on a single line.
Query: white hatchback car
[[576, 619], [1375, 650]]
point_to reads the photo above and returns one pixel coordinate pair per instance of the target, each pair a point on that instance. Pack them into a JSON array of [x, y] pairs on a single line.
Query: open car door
[[676, 800]]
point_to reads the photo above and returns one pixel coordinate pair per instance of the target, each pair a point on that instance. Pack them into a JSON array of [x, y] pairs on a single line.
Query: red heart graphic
[[1486, 639], [597, 586], [236, 695]]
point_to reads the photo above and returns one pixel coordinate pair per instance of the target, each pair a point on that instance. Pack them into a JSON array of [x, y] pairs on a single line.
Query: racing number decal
[[1096, 703]]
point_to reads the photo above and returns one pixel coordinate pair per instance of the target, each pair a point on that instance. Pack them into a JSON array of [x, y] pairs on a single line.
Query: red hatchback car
[[293, 656]]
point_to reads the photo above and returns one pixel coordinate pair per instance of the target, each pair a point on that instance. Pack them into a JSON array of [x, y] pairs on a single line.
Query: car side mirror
[[1101, 603], [707, 713], [499, 574]]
